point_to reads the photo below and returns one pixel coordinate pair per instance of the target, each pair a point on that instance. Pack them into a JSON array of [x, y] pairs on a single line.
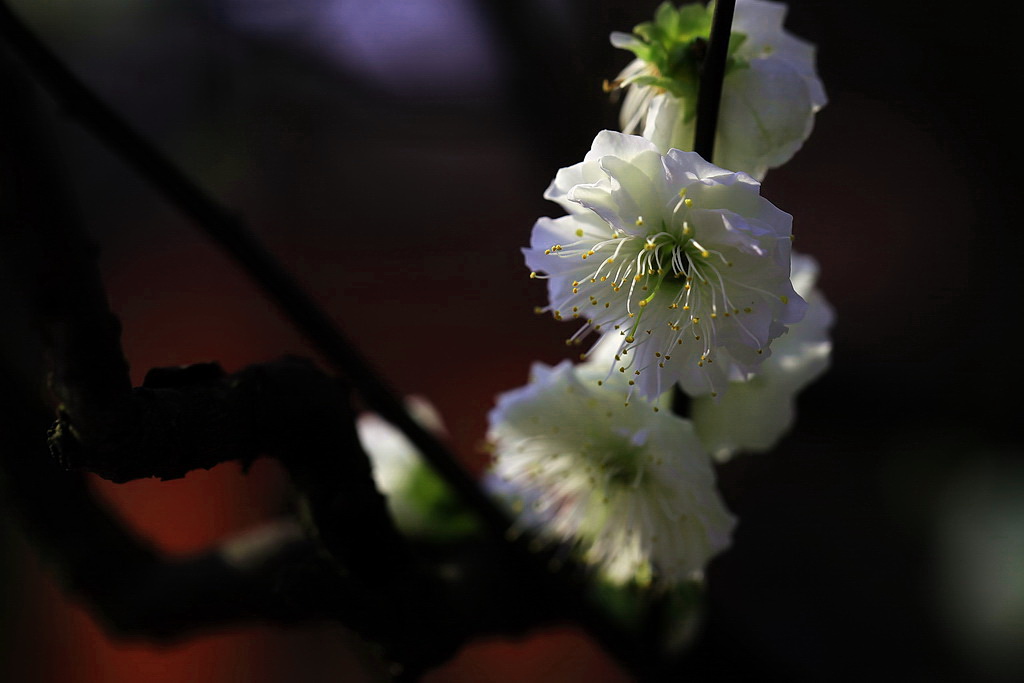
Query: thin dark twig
[[230, 233], [709, 93]]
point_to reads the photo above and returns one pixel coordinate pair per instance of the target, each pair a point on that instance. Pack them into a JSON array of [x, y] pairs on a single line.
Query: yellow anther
[[579, 232], [688, 202]]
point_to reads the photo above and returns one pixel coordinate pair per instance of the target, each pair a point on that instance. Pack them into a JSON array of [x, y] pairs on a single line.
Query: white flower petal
[[766, 114], [758, 410], [666, 125]]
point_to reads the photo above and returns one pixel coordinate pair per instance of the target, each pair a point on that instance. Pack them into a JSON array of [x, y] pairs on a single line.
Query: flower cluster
[[684, 274]]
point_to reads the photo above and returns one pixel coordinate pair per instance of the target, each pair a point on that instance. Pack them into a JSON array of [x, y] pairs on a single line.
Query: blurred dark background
[[393, 155]]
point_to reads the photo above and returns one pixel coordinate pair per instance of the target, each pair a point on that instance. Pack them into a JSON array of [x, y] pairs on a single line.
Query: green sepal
[[669, 43], [670, 615], [442, 517]]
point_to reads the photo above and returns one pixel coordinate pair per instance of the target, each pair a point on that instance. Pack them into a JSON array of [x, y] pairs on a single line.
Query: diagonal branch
[[231, 235]]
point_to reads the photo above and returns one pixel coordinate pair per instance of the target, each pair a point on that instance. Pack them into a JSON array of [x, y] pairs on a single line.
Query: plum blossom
[[680, 258], [759, 409], [632, 489], [770, 94]]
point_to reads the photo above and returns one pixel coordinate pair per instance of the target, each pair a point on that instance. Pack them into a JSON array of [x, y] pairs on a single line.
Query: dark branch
[[229, 232], [709, 93]]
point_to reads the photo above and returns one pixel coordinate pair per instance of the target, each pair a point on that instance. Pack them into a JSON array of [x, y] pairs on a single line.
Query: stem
[[231, 234], [709, 93]]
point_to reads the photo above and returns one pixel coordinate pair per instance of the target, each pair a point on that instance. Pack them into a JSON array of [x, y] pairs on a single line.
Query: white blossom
[[416, 496], [631, 488], [770, 94], [679, 257], [759, 409]]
